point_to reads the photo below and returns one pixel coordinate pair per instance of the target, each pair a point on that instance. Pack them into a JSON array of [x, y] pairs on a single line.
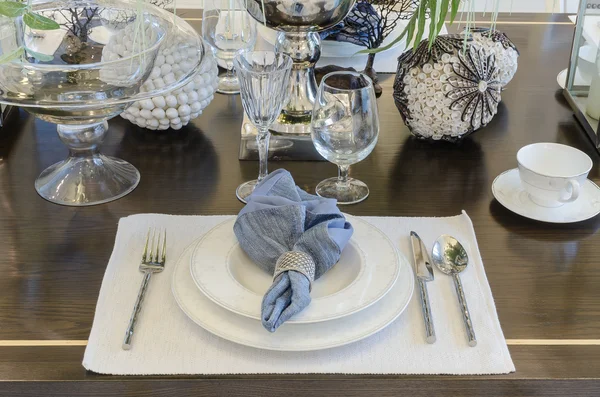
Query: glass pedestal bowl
[[87, 72]]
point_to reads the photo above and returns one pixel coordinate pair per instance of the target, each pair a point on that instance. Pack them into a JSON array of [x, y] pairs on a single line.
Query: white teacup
[[552, 173]]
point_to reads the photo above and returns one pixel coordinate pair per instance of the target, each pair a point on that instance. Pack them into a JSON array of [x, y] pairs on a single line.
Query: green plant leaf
[[432, 23], [455, 5], [438, 10], [410, 29], [443, 13], [421, 22], [12, 8], [11, 55], [39, 56], [39, 22]]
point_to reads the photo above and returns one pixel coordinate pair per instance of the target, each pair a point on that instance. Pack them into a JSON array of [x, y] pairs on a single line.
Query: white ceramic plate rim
[[321, 309], [518, 210], [384, 313]]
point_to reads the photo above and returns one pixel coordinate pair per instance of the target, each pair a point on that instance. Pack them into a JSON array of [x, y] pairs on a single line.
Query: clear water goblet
[[228, 28], [264, 77], [345, 128]]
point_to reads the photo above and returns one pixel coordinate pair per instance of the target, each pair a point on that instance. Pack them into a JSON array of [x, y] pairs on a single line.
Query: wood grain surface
[[545, 278]]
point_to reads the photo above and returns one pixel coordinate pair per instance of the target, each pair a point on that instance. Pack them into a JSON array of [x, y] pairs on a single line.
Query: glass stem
[[342, 181], [82, 140], [230, 75], [262, 141]]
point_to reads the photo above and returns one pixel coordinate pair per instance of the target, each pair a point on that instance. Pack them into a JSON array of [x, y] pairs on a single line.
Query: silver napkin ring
[[297, 261]]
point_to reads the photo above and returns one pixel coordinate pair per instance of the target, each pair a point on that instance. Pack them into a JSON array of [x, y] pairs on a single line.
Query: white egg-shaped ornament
[[175, 109], [449, 91], [507, 54]]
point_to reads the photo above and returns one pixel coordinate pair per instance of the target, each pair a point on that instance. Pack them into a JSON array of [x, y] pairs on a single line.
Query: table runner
[[167, 342]]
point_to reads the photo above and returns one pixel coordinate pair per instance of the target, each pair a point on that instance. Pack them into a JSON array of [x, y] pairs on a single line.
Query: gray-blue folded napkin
[[286, 230]]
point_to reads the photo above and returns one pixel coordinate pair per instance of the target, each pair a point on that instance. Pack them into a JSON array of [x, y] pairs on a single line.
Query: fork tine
[[156, 256], [151, 257], [145, 254], [164, 249]]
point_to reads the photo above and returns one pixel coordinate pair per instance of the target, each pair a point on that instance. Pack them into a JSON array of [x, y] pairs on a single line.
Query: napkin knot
[[298, 261], [293, 235]]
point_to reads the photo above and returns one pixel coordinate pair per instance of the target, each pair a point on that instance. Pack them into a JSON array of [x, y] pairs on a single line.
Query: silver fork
[[153, 261]]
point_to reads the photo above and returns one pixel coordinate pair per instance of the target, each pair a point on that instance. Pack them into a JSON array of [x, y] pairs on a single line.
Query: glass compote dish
[[85, 73]]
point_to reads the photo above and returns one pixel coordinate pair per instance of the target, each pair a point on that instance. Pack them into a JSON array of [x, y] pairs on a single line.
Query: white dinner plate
[[508, 191], [289, 337], [366, 271]]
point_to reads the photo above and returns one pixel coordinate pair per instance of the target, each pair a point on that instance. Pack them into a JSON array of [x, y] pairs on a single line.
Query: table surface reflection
[[545, 278]]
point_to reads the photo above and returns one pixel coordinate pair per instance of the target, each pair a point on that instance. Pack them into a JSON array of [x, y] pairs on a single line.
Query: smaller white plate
[[366, 271], [289, 337], [508, 191]]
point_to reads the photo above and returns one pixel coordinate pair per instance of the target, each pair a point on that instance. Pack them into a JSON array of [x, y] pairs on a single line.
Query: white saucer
[[289, 337], [508, 191], [366, 271], [561, 79]]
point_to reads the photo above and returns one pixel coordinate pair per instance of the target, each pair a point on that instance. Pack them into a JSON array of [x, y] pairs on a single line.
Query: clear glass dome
[[85, 73]]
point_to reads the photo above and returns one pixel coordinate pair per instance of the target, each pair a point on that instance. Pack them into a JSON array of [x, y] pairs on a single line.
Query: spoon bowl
[[449, 255]]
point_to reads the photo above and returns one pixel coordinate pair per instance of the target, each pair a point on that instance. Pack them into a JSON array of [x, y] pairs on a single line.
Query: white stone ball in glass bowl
[[174, 109]]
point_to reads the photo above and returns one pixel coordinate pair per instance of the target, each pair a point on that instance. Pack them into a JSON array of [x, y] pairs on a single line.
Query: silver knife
[[424, 273]]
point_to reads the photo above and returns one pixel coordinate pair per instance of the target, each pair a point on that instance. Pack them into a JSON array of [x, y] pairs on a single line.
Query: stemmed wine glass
[[264, 77], [345, 127], [228, 28]]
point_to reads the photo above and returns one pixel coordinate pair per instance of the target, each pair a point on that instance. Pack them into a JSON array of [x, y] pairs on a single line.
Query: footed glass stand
[[344, 189], [80, 87], [86, 177]]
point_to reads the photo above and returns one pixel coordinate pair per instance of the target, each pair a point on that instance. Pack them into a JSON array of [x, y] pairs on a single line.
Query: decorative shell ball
[[507, 54], [174, 109], [446, 93], [127, 43]]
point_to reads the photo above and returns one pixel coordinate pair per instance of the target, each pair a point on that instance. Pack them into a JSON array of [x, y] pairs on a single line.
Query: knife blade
[[424, 273]]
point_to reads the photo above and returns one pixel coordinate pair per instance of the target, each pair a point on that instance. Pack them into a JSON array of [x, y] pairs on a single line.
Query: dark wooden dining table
[[545, 278]]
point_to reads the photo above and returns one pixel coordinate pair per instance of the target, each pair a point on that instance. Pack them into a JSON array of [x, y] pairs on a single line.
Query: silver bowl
[[298, 22]]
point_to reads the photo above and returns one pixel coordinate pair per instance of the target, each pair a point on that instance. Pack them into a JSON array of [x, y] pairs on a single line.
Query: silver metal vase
[[298, 23]]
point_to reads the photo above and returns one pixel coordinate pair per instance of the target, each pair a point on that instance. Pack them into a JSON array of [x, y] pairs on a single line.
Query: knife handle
[[429, 330], [465, 310]]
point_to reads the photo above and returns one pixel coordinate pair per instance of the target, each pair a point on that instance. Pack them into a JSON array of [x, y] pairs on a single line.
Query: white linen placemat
[[167, 342]]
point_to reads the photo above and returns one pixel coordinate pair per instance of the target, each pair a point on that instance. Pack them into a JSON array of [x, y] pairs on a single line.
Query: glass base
[[90, 180], [275, 144], [292, 126], [245, 189], [353, 192], [228, 85]]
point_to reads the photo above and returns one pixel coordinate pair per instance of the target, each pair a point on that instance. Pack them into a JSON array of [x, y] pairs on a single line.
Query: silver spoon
[[451, 258]]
